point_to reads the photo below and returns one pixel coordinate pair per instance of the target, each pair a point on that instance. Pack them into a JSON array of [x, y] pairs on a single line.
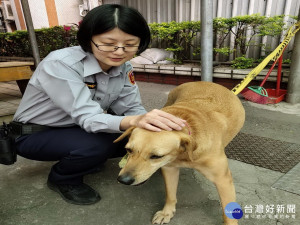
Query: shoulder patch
[[131, 76]]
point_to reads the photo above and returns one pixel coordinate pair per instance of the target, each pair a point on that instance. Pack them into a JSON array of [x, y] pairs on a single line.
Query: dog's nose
[[126, 179]]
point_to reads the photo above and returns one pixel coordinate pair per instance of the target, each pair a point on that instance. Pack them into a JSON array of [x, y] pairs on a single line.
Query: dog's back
[[204, 94], [217, 107]]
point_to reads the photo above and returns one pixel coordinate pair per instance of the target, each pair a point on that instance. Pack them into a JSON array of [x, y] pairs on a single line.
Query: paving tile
[[290, 181]]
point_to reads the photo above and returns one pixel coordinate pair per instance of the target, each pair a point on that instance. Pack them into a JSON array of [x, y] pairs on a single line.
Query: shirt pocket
[[113, 97], [93, 92], [108, 100]]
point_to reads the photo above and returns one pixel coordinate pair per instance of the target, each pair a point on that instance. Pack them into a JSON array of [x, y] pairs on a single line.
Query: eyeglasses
[[113, 48]]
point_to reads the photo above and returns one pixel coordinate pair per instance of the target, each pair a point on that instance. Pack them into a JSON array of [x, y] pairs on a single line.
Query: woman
[[80, 98]]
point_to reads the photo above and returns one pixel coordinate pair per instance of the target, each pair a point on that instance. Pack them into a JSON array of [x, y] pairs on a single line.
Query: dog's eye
[[156, 156], [129, 151]]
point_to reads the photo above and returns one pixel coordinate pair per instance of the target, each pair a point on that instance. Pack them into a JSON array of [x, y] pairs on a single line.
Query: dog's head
[[148, 151]]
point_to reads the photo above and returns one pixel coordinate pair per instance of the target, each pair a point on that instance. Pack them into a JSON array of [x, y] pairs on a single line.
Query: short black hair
[[109, 16]]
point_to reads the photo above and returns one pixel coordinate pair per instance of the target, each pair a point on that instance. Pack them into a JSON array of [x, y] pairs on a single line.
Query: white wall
[[38, 13], [68, 11]]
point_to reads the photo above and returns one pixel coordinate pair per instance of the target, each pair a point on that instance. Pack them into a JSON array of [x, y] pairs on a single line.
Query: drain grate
[[264, 152]]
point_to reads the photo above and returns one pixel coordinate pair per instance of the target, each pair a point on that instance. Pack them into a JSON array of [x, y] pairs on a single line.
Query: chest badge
[[131, 77]]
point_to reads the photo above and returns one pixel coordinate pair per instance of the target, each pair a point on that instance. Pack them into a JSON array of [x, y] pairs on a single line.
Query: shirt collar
[[91, 66]]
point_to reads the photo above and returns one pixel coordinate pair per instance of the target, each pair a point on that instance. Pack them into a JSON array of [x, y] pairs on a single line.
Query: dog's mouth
[[140, 183], [127, 179]]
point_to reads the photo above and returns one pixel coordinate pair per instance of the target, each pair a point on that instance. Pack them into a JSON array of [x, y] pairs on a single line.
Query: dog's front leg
[[171, 177]]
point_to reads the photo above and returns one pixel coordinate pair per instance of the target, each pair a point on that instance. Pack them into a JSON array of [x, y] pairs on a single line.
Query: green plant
[[180, 38], [243, 63], [225, 51], [177, 37], [17, 43], [286, 61], [246, 28], [222, 28]]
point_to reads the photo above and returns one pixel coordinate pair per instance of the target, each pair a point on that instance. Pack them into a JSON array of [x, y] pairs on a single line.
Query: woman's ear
[[125, 134], [189, 145]]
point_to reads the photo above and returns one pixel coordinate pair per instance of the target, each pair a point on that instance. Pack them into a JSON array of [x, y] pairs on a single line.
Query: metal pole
[[206, 40], [293, 90], [30, 29]]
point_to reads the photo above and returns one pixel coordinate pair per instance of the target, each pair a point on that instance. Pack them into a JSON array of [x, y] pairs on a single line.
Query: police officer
[[81, 98]]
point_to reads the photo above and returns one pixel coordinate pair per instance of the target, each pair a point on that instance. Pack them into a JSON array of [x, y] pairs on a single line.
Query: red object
[[253, 96], [274, 95], [277, 95], [67, 28]]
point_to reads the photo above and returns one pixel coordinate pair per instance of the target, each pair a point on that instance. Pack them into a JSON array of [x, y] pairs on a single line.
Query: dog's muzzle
[[126, 179]]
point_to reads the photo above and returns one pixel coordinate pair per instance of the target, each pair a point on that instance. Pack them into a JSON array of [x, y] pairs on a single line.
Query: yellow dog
[[214, 116]]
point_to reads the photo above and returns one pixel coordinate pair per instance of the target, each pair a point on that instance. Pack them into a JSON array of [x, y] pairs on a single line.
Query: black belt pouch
[[8, 154]]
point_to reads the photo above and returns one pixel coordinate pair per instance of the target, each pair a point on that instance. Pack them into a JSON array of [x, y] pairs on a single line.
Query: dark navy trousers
[[78, 152]]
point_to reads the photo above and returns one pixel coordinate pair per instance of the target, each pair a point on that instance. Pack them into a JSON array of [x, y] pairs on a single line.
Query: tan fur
[[214, 116]]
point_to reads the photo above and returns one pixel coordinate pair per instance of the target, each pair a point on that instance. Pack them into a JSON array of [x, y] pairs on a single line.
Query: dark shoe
[[80, 194]]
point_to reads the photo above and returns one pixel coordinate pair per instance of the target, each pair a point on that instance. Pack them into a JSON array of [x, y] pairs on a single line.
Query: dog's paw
[[162, 217], [233, 222]]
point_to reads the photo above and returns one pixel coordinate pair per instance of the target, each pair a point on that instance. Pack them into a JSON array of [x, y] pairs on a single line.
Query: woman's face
[[115, 37]]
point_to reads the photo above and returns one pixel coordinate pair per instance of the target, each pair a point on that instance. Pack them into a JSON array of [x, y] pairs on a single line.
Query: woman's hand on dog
[[155, 120]]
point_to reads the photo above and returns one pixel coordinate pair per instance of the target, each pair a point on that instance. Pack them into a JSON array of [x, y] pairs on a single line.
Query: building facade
[[44, 13]]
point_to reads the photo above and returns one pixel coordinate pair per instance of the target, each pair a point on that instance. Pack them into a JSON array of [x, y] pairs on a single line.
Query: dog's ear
[[189, 145], [125, 134]]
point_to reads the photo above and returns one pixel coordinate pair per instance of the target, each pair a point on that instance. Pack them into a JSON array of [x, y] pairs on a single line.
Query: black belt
[[8, 135], [20, 129]]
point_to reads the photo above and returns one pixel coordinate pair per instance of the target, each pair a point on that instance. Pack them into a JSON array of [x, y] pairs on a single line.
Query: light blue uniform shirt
[[58, 95]]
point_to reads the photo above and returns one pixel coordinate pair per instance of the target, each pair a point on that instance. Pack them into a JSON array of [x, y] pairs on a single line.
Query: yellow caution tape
[[273, 56]]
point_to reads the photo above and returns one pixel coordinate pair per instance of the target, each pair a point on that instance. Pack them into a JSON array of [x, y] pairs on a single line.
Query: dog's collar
[[188, 128]]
